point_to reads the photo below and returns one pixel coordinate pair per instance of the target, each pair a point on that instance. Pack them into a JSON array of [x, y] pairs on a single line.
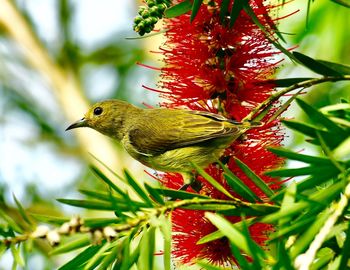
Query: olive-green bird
[[167, 140]]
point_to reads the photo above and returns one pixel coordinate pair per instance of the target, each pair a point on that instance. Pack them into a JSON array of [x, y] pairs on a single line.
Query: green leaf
[[282, 152], [179, 9], [210, 207], [212, 181], [228, 230], [218, 234], [81, 259], [308, 236], [208, 266], [345, 3], [242, 261], [195, 8], [240, 188], [320, 119], [165, 228], [313, 170], [154, 194], [305, 129], [138, 189], [256, 250], [315, 65], [147, 246], [132, 258], [82, 241], [322, 196], [179, 194], [255, 178], [323, 258], [111, 256], [105, 179], [22, 211], [342, 151], [17, 257], [342, 69], [224, 10], [288, 81], [345, 255], [96, 205], [210, 237], [236, 184], [98, 256], [292, 229], [50, 219], [237, 7], [13, 225], [99, 222]]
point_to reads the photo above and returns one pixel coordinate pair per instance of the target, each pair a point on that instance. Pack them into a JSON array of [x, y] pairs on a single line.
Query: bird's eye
[[98, 111]]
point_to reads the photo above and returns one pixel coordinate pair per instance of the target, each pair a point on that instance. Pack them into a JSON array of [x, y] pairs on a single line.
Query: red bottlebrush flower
[[210, 66]]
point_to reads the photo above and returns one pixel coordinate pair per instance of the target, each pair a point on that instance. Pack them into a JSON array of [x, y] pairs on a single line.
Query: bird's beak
[[80, 123]]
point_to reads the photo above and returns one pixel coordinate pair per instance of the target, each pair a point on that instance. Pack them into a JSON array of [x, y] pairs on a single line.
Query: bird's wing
[[175, 129]]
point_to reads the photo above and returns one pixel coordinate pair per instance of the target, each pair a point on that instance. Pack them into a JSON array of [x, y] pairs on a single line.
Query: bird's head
[[106, 117]]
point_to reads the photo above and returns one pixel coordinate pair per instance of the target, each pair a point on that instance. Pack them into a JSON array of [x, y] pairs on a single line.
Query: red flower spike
[[210, 66]]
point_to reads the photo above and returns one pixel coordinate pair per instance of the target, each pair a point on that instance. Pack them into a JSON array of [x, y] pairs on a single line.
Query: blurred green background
[[80, 55]]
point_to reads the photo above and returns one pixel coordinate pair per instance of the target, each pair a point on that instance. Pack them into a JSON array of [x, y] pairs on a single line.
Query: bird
[[165, 139]]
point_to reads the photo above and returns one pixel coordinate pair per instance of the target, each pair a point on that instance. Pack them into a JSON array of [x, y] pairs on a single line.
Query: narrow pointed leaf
[[50, 219], [97, 205], [342, 69], [315, 65], [224, 10], [288, 81], [237, 7], [313, 170], [345, 3], [319, 118], [240, 188], [282, 152], [208, 266], [305, 129], [212, 181], [178, 194], [179, 9], [81, 259], [307, 237], [22, 211], [154, 194], [98, 256], [345, 255], [17, 257], [10, 221], [82, 241], [235, 236], [242, 261], [195, 8], [138, 189], [255, 178], [237, 185], [105, 179]]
